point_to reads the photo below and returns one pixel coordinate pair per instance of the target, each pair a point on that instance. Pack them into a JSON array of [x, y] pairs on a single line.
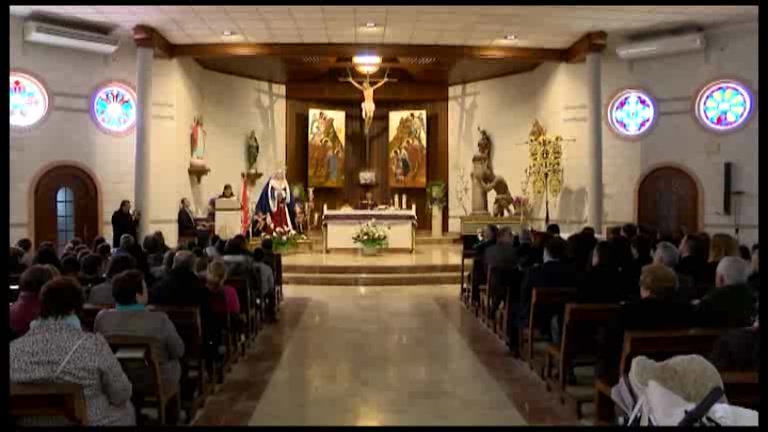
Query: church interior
[[383, 215]]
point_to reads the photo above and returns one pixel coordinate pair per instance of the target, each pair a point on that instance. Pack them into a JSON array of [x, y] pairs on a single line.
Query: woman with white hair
[[732, 302]]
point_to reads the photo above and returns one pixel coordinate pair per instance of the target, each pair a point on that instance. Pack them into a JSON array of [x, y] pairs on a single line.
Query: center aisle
[[394, 355]]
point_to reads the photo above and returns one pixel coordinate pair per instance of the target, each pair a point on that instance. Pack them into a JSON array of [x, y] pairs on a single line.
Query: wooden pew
[[48, 399], [658, 345], [464, 290], [136, 354], [88, 315], [541, 297], [247, 310], [578, 345], [195, 386], [742, 388]]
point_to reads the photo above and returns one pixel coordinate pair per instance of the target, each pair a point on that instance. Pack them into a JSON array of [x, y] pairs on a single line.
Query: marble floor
[[395, 355]]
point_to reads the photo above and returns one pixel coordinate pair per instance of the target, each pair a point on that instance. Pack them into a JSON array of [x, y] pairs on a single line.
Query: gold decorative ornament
[[544, 171]]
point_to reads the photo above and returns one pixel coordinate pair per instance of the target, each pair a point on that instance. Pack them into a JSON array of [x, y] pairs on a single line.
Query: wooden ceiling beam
[[348, 50], [148, 37], [590, 42]]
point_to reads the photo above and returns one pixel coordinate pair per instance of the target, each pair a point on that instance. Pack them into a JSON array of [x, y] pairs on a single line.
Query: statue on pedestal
[[484, 180], [252, 156], [197, 165]]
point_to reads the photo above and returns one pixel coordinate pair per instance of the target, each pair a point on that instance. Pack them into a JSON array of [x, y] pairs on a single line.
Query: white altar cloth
[[339, 226]]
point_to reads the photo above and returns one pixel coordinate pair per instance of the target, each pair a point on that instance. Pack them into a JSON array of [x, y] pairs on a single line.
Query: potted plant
[[436, 198], [283, 240], [371, 237]]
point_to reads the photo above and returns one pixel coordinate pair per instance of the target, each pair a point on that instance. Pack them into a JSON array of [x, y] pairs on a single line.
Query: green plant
[[283, 240], [436, 194], [298, 192]]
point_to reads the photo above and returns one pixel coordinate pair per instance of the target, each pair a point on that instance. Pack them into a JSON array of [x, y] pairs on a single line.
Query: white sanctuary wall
[[507, 107], [181, 90]]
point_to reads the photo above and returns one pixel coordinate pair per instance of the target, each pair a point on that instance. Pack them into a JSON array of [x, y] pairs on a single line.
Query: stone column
[[595, 143], [141, 175]]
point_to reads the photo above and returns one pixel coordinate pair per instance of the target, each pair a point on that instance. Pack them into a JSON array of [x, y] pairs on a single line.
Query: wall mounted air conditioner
[[48, 34], [662, 46]]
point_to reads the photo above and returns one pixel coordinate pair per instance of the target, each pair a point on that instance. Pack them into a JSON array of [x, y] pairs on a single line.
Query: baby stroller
[[681, 391]]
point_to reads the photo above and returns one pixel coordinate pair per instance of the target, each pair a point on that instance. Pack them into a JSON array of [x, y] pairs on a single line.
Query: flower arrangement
[[370, 235], [283, 239], [436, 194]]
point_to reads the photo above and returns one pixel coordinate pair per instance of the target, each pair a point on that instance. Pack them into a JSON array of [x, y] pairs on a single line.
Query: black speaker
[[728, 169]]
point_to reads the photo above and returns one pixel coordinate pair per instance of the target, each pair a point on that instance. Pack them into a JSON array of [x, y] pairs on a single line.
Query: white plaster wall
[[181, 90], [68, 134], [556, 95]]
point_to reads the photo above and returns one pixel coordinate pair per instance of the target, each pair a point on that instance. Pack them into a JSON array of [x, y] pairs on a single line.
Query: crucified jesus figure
[[368, 106]]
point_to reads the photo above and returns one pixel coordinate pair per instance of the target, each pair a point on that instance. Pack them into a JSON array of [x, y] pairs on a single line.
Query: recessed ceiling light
[[370, 24], [227, 33], [510, 37]]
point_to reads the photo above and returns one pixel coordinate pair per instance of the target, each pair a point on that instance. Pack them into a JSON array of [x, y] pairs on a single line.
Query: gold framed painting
[[326, 148], [407, 150]]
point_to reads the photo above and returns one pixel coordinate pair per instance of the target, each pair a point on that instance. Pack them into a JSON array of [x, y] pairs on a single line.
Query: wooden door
[[668, 200], [66, 206]]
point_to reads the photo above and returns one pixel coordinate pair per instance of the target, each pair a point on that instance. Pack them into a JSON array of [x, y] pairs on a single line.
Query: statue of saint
[[197, 141], [368, 107], [277, 202], [484, 181], [252, 151]]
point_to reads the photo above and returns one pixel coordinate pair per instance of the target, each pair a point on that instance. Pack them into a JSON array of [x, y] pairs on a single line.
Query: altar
[[339, 226]]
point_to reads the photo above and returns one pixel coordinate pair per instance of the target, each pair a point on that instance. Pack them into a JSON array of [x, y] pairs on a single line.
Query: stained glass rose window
[[631, 113], [29, 100], [724, 105], [113, 108]]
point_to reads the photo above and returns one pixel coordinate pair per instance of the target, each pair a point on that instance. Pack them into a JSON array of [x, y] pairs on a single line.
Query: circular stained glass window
[[29, 100], [631, 113], [113, 107], [724, 105]]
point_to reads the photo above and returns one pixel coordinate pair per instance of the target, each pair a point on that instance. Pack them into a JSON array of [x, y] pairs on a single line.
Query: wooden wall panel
[[297, 122]]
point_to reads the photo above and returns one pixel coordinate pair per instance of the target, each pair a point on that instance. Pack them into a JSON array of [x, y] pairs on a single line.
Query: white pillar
[[595, 143], [144, 58]]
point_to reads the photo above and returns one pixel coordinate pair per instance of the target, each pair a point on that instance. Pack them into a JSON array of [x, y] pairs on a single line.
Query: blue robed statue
[[276, 202]]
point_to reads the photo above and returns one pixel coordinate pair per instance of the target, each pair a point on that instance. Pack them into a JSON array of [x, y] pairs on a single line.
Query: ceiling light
[[510, 37], [227, 33], [370, 24], [366, 64]]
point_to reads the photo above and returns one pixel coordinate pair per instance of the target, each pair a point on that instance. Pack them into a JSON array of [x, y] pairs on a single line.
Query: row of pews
[[203, 368], [579, 347]]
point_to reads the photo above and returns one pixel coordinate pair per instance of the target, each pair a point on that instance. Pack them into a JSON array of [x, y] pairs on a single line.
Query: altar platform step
[[423, 238], [371, 279], [306, 269]]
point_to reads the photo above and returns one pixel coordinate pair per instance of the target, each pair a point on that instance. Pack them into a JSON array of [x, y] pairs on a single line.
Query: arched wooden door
[[668, 200], [66, 206]]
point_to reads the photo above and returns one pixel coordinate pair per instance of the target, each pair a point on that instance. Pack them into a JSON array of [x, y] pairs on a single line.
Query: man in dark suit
[[181, 286], [186, 220], [501, 258], [123, 222], [732, 302], [693, 263], [556, 272]]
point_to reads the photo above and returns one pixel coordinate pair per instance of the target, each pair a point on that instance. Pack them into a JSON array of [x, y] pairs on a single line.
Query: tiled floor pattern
[[393, 355]]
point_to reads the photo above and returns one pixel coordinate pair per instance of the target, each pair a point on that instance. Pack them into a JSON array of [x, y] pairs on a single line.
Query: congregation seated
[[181, 286], [97, 241], [502, 257], [666, 254], [269, 254], [738, 350], [555, 272], [164, 269], [754, 278], [70, 266], [27, 307], [152, 249], [658, 308], [25, 245], [693, 261], [732, 302], [104, 250], [479, 266], [46, 255], [56, 349], [130, 317], [91, 271], [17, 265], [721, 245], [102, 293], [223, 297], [161, 246], [266, 275], [126, 243], [236, 257], [603, 282]]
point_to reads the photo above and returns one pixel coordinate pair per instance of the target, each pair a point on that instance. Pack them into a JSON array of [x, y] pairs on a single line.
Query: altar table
[[339, 226]]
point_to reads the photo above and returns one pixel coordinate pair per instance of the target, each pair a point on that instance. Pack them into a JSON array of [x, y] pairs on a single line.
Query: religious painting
[[326, 148], [407, 149]]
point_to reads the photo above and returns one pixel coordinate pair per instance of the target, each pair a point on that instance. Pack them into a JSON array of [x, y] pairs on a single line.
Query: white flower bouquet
[[371, 235]]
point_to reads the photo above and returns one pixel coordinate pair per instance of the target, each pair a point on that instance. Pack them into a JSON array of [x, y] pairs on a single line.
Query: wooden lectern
[[228, 218]]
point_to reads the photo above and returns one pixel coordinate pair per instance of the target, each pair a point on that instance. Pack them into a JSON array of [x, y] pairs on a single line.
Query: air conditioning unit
[[662, 46], [48, 34]]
